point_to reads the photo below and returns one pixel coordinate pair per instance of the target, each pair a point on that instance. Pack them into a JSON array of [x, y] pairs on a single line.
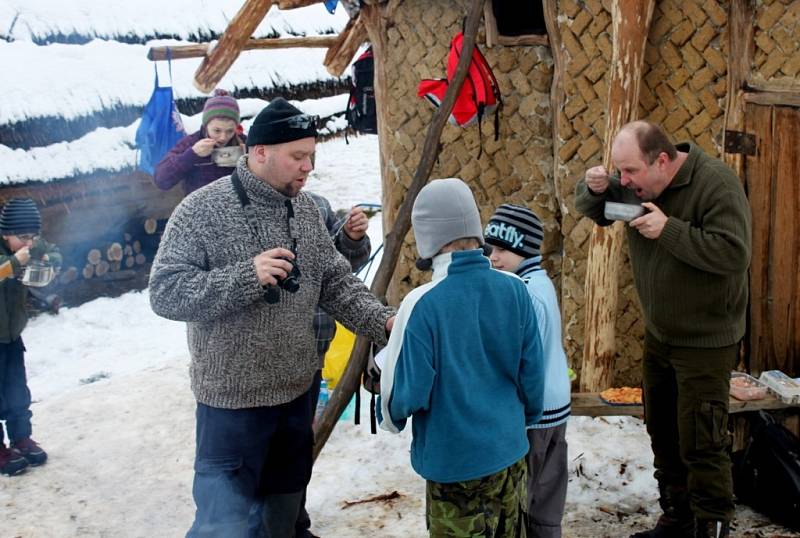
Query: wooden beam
[[341, 52], [200, 49], [772, 98], [221, 57], [351, 378], [630, 26], [741, 15], [294, 4]]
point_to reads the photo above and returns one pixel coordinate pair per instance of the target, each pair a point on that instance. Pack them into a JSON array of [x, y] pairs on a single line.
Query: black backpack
[[361, 114], [766, 474]]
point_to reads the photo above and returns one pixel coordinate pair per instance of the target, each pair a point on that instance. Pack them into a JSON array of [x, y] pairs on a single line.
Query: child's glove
[[42, 248]]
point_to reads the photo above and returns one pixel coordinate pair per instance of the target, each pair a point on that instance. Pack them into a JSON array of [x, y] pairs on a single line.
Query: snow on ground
[[114, 410]]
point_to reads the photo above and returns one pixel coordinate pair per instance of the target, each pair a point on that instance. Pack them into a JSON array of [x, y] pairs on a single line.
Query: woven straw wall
[[683, 89], [777, 42], [518, 168]]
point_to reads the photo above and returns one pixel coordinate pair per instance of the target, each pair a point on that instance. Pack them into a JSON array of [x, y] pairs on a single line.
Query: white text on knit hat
[[505, 232]]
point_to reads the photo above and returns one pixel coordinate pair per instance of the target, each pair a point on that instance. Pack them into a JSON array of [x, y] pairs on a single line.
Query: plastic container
[[747, 387], [784, 387], [322, 402], [619, 211]]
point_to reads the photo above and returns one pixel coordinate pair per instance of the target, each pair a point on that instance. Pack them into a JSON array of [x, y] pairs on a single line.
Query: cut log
[[631, 24], [127, 251], [94, 256], [220, 58], [68, 275], [136, 246], [101, 268], [115, 265], [150, 226], [114, 252], [201, 49], [88, 271], [140, 259], [130, 261], [127, 237], [351, 378]]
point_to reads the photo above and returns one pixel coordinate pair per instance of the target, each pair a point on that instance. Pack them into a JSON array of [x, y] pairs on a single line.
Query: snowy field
[[114, 410]]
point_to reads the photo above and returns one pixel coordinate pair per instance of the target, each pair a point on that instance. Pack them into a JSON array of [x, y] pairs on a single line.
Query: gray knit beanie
[[444, 211]]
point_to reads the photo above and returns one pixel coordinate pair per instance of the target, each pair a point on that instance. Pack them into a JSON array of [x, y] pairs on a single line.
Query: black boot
[[677, 521], [712, 528]]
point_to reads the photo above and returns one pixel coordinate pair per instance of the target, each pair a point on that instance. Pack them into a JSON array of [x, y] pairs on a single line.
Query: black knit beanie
[[281, 122], [20, 216], [515, 228]]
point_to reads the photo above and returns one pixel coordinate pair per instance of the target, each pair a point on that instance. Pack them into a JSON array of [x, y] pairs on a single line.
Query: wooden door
[[773, 188]]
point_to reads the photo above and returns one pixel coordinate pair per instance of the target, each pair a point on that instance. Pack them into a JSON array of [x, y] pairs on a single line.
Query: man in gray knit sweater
[[689, 252], [222, 267]]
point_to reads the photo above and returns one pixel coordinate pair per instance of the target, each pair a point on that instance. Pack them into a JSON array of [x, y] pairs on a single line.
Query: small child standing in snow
[[20, 223], [465, 360], [516, 235]]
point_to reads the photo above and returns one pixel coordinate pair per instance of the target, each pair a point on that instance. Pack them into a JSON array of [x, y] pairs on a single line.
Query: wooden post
[[631, 24], [220, 58], [342, 51], [351, 378]]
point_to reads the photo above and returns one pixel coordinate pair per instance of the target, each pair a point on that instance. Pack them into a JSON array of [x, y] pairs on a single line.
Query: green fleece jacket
[[13, 316], [692, 280]]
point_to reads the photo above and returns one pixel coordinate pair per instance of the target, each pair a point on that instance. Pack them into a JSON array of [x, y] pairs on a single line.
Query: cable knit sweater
[[246, 352]]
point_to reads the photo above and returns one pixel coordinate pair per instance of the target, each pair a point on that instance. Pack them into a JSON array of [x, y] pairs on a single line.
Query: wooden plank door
[[773, 188]]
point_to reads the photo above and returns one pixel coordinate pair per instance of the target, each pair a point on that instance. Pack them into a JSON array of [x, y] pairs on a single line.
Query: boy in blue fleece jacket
[[516, 234], [465, 360]]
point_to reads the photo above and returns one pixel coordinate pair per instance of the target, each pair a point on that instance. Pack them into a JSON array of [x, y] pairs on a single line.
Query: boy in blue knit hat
[[516, 234], [20, 224]]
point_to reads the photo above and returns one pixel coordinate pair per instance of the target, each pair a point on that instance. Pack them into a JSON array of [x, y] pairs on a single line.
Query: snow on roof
[[70, 81], [42, 19], [113, 150]]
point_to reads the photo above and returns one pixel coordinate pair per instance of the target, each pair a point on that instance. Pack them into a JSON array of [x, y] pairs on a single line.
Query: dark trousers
[[251, 468], [303, 519], [15, 397], [548, 476], [686, 411]]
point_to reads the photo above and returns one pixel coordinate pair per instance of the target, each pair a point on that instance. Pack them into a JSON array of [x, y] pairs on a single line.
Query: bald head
[[650, 138]]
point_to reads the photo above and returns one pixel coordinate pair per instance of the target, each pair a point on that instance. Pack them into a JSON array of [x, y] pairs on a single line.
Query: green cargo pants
[[490, 506], [686, 412]]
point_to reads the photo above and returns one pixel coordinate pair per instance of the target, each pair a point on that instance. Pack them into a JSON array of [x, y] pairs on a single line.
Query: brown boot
[[712, 528], [669, 527]]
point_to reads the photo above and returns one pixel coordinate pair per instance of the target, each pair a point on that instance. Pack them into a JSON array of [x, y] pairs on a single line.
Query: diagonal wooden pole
[[351, 378]]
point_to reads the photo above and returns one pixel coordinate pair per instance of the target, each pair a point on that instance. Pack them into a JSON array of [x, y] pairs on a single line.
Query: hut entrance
[[772, 177]]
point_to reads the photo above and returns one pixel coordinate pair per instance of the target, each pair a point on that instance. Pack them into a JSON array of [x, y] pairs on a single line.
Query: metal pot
[[38, 274], [226, 156]]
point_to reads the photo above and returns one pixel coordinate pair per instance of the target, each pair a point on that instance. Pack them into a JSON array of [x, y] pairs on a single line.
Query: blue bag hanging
[[161, 125]]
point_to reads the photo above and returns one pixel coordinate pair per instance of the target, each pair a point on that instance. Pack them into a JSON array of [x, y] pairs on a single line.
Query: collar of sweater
[[684, 174], [458, 262], [529, 265], [257, 189]]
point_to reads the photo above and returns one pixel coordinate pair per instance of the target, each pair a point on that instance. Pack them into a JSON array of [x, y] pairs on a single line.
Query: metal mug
[[38, 274]]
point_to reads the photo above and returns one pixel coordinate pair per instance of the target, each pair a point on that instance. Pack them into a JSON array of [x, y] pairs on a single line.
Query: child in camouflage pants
[[465, 360]]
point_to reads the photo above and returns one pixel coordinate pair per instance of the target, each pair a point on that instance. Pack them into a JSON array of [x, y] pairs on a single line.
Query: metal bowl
[[38, 274], [619, 211]]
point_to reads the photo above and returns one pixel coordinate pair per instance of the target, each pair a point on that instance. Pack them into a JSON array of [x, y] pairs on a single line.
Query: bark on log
[[140, 259], [341, 53], [88, 271], [374, 19], [201, 49], [101, 268], [631, 24], [219, 60]]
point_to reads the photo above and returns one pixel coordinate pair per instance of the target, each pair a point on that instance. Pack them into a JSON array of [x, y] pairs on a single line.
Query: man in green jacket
[[689, 252]]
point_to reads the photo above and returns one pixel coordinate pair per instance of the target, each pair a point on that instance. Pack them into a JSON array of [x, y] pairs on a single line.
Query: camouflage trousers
[[492, 506]]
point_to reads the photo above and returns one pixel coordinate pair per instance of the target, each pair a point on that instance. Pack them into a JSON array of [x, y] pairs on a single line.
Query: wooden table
[[589, 404]]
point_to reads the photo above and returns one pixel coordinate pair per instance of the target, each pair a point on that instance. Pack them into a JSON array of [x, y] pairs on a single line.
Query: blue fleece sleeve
[[413, 380], [531, 373]]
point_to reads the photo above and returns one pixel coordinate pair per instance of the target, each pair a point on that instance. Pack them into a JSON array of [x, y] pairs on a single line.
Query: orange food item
[[623, 395]]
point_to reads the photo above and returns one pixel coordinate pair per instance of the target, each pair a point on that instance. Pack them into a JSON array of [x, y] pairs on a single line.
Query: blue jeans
[[250, 462], [15, 397]]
